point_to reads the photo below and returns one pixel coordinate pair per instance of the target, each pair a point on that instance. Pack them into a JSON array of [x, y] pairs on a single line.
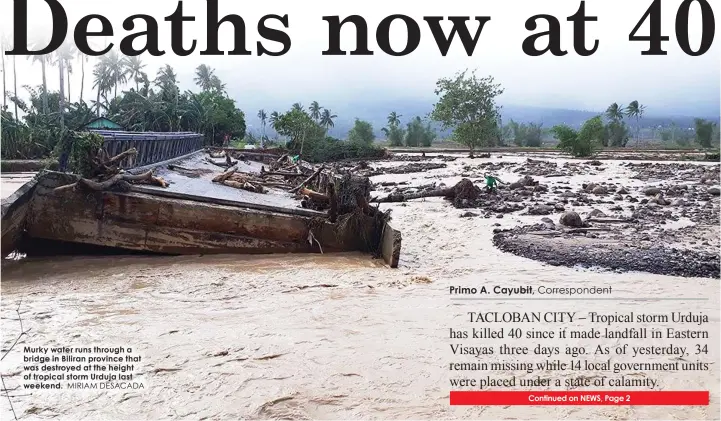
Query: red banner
[[630, 398]]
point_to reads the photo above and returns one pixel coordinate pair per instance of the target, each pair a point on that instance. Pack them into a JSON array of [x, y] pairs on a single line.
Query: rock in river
[[571, 219]]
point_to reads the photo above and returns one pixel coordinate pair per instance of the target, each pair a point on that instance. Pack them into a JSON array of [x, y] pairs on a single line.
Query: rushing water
[[315, 336]]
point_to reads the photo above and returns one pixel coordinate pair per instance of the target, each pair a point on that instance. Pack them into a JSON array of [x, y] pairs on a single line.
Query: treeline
[[307, 135], [417, 133], [150, 104], [594, 135]]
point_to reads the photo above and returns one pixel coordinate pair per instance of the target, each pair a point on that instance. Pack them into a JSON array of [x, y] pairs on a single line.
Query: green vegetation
[[307, 134], [468, 105], [157, 106], [416, 133], [82, 148], [704, 132], [361, 133], [524, 134], [394, 133], [419, 134], [581, 143]]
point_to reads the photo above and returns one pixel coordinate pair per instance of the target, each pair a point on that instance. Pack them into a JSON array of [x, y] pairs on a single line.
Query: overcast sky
[[676, 83]]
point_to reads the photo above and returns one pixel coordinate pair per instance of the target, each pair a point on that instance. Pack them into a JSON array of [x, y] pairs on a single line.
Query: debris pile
[[97, 171]]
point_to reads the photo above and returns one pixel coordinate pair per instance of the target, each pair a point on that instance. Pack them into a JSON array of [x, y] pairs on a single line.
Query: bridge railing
[[152, 147]]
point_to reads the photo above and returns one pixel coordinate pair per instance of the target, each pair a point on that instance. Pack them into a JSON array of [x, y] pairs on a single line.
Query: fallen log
[[109, 183], [281, 173], [309, 179], [119, 157], [320, 197], [222, 177], [223, 165], [463, 190], [254, 188]]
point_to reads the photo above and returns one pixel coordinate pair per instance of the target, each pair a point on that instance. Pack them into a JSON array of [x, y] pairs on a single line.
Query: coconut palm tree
[[614, 112], [274, 116], [15, 82], [298, 106], [326, 119], [204, 77], [636, 110], [116, 71], [217, 85], [63, 56], [315, 110], [83, 59], [134, 68], [394, 119], [263, 117], [37, 44], [102, 82]]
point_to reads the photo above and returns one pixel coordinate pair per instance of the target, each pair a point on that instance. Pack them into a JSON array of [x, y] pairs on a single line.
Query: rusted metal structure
[[42, 219], [152, 147]]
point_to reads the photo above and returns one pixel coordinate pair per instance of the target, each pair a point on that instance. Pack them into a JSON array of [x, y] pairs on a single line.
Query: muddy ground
[[661, 218]]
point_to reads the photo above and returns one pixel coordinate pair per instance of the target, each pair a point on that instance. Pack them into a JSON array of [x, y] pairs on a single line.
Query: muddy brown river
[[320, 336]]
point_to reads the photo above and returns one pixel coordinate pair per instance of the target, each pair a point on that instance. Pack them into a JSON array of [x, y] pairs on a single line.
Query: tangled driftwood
[[147, 178]]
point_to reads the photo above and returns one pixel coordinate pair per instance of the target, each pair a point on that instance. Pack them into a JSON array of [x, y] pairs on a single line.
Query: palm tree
[[204, 77], [102, 82], [115, 68], [326, 119], [134, 68], [298, 107], [394, 119], [63, 56], [217, 85], [274, 116], [83, 59], [315, 110], [43, 59], [15, 82], [614, 112], [636, 110], [263, 117]]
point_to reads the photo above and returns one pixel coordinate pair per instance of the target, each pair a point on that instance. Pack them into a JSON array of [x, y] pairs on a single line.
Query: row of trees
[[530, 135], [149, 105], [594, 134], [415, 134], [307, 134], [323, 117], [467, 104]]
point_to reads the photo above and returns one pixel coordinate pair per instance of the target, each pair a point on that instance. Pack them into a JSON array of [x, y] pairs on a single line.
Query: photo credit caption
[[81, 368]]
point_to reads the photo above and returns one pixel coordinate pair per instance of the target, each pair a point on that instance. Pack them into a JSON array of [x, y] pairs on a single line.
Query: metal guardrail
[[152, 147]]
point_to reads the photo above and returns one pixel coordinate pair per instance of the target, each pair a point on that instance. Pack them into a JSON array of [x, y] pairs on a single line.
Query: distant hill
[[376, 112]]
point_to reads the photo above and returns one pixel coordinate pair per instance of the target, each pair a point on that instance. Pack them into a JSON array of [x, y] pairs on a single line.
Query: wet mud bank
[[559, 248], [660, 218]]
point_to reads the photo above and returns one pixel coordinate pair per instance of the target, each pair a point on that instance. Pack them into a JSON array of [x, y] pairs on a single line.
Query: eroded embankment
[[633, 253]]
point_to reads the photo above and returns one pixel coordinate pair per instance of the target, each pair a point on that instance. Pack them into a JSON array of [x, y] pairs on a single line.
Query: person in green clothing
[[491, 183]]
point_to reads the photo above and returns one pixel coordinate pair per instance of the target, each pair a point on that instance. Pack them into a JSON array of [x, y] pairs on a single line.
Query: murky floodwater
[[231, 337]]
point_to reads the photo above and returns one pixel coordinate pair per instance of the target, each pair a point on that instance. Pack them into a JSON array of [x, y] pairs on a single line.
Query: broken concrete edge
[[14, 216], [391, 245]]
